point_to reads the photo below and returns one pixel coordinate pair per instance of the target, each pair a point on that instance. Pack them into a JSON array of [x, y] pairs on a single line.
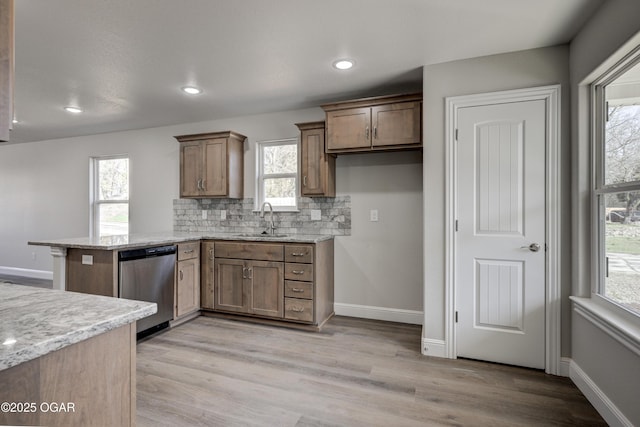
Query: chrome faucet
[[271, 226]]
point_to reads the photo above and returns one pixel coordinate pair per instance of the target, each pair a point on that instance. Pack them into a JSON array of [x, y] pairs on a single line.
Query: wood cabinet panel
[[187, 298], [293, 289], [246, 250], [298, 253], [98, 278], [214, 182], [372, 124], [267, 288], [317, 167], [188, 250], [349, 129], [303, 272], [298, 309], [190, 169], [231, 290], [212, 165], [207, 276], [396, 124]]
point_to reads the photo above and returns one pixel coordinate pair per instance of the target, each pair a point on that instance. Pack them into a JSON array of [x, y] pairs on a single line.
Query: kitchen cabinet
[[249, 278], [317, 167], [6, 67], [187, 289], [374, 124], [207, 275], [212, 165], [289, 282]]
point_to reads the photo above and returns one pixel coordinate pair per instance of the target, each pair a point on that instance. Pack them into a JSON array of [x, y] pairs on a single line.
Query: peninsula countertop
[[131, 241], [36, 321]]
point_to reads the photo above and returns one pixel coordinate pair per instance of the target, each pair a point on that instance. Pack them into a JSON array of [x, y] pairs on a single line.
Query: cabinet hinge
[[456, 136], [606, 111], [456, 225], [456, 317]]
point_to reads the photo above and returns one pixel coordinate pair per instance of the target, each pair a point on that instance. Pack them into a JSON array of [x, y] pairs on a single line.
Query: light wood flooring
[[215, 372]]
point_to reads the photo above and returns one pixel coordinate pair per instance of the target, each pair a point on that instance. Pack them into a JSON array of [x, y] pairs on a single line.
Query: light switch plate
[[373, 215], [316, 214], [223, 215], [87, 259], [204, 214]]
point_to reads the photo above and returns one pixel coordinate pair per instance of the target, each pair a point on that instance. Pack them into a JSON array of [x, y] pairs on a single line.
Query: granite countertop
[[130, 241], [36, 321]]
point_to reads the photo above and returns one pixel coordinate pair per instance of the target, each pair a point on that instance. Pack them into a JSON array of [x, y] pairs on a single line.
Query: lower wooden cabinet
[[249, 287], [286, 281], [187, 294], [207, 275]]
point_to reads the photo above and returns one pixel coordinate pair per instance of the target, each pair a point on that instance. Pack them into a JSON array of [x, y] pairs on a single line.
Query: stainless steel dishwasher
[[147, 274]]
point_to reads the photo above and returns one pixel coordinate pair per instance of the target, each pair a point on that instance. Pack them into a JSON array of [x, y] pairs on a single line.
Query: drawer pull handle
[[297, 290], [189, 251], [298, 254], [297, 271], [297, 310]]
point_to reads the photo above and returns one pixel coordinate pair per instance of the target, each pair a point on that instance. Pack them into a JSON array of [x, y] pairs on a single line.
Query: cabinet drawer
[[254, 251], [298, 289], [298, 309], [188, 250], [298, 253], [293, 271]]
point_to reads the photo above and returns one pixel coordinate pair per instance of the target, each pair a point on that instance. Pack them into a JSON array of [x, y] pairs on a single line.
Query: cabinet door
[[207, 276], [314, 167], [190, 169], [215, 167], [267, 288], [232, 291], [188, 287], [396, 124], [349, 129]]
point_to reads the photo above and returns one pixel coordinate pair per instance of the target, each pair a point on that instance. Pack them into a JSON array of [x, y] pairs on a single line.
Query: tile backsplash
[[335, 217]]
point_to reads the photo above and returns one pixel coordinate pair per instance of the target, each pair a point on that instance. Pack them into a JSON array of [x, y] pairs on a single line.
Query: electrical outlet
[[204, 214], [87, 259], [316, 214], [223, 215], [33, 256], [373, 215]]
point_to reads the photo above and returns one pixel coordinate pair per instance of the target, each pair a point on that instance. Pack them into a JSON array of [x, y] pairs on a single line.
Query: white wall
[[44, 194], [611, 370], [537, 67]]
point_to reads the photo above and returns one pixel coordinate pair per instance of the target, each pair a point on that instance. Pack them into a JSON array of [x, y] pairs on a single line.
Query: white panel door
[[500, 247]]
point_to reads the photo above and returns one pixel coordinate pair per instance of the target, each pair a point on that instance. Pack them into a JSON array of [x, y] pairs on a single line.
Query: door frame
[[551, 95]]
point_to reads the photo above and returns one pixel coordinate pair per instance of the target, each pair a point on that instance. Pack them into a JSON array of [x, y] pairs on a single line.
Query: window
[[617, 185], [109, 196], [277, 174]]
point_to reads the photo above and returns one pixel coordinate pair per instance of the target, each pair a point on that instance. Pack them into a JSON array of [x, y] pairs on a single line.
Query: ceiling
[[123, 62]]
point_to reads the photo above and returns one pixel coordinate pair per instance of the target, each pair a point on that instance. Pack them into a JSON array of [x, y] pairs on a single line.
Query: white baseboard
[[435, 348], [564, 368], [607, 409], [379, 313], [25, 272]]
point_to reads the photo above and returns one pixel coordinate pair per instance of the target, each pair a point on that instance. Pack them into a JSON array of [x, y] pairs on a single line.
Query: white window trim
[[259, 197], [94, 203], [598, 187]]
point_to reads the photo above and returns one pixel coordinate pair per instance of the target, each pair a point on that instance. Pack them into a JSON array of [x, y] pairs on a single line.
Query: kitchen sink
[[262, 235]]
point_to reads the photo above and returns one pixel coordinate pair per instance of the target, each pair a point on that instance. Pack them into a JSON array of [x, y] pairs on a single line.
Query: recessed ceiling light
[[74, 110], [343, 64], [192, 90]]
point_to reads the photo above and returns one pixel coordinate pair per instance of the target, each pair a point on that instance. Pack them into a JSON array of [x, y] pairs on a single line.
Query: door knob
[[534, 247]]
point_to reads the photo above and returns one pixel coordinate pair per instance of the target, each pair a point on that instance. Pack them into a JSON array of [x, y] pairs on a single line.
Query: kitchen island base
[[90, 383]]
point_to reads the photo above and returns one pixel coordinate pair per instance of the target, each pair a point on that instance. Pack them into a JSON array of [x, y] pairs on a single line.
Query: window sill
[[617, 326]]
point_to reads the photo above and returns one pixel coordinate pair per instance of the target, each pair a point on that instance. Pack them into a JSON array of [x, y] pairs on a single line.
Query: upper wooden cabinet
[[374, 124], [212, 165], [318, 168], [6, 68]]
